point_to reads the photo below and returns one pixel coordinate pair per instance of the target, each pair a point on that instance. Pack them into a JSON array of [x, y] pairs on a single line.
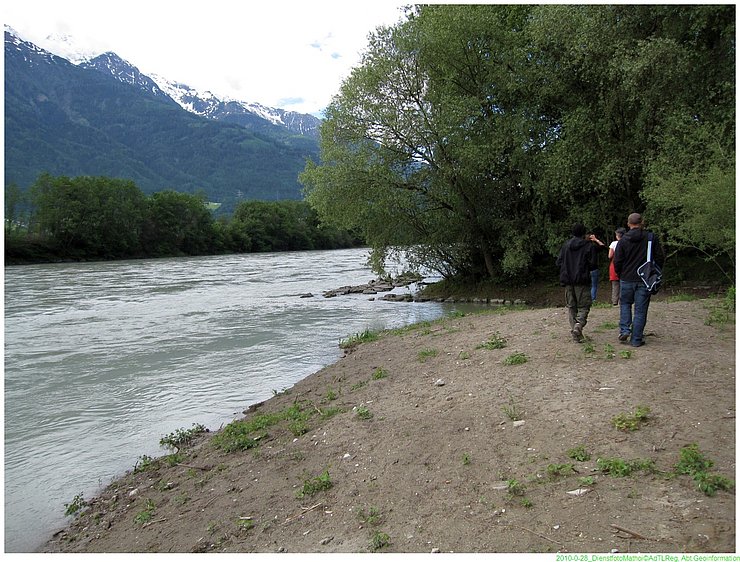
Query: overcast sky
[[288, 54]]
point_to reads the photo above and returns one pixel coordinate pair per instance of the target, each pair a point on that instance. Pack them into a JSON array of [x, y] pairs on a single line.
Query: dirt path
[[439, 462]]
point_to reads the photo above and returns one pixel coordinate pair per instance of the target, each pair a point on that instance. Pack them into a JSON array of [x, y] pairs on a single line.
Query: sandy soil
[[441, 464]]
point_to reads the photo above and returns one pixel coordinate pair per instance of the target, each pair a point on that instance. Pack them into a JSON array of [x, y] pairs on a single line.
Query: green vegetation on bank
[[472, 137], [104, 218]]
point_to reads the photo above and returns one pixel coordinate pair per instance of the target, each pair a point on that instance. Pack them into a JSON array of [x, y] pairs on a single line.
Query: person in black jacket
[[576, 260], [630, 254]]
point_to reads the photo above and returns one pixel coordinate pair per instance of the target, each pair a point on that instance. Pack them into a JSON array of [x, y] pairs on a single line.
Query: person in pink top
[[613, 277]]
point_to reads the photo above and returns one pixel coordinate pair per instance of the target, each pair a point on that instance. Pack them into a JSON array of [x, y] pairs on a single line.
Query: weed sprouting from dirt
[[75, 506], [631, 421], [427, 353], [695, 464], [182, 437], [363, 413], [512, 410], [494, 342], [579, 453], [145, 515], [358, 338], [620, 468], [312, 486], [245, 434], [379, 540], [516, 359], [558, 470], [379, 373]]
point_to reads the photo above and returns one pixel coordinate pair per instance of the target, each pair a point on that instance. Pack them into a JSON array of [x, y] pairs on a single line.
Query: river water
[[104, 359]]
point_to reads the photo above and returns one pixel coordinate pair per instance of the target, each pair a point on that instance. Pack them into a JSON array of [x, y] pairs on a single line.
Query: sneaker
[[624, 337], [638, 344]]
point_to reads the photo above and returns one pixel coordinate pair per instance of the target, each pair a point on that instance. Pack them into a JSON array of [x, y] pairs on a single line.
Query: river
[[104, 359]]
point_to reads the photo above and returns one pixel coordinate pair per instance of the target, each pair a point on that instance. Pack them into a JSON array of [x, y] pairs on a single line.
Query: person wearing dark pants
[[634, 296], [576, 260]]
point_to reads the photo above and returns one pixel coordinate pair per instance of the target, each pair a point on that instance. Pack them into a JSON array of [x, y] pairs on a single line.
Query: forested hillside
[[71, 121]]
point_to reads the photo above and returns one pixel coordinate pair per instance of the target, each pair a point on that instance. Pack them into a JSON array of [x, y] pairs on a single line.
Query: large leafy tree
[[429, 143], [178, 223], [616, 78], [476, 135], [96, 216]]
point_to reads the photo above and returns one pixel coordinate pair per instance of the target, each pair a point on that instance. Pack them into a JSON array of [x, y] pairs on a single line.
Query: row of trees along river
[[105, 218], [473, 137]]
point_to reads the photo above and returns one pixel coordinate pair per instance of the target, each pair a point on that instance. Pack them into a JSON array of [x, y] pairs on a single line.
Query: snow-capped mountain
[[123, 71], [67, 46], [203, 103], [32, 52], [103, 117], [211, 106]]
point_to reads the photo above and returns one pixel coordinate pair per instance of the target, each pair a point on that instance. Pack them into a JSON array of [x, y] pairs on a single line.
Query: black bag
[[649, 271]]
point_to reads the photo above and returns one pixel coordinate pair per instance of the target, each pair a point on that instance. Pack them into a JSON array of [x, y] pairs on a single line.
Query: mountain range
[[101, 116]]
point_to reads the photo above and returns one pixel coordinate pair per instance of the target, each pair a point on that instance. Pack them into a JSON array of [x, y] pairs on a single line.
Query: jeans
[[633, 293], [594, 283]]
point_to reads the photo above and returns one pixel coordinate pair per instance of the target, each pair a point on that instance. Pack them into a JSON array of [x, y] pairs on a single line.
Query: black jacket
[[631, 253], [576, 260]]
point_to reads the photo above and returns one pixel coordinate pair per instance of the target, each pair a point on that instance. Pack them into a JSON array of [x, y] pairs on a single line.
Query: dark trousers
[[578, 300]]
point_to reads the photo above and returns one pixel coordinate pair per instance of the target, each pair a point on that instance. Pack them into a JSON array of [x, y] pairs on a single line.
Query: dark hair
[[621, 231], [578, 230]]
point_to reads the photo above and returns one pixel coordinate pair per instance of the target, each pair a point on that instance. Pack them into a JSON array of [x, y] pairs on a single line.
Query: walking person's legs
[[594, 284], [615, 292], [642, 303], [626, 299]]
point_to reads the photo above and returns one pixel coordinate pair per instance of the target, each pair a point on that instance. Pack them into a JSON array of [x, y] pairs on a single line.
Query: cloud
[[276, 53]]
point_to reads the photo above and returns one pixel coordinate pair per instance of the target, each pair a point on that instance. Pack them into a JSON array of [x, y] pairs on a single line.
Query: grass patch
[[145, 515], [379, 373], [245, 434], [363, 413], [359, 385], [620, 468], [512, 410], [515, 488], [695, 464], [146, 463], [424, 325], [182, 437], [358, 338], [579, 454], [631, 421], [681, 297], [312, 486], [494, 342], [330, 412], [720, 314], [370, 517], [427, 353], [379, 540], [516, 359], [558, 470]]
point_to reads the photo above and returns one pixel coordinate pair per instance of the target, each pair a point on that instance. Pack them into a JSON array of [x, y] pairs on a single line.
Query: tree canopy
[[473, 136]]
